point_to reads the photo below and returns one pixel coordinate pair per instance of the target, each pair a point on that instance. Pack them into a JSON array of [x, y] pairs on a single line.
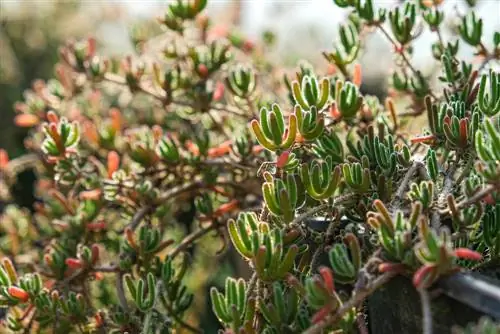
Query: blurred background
[[32, 30]]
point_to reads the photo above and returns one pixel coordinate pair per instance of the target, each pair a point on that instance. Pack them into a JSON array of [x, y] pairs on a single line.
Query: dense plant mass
[[141, 158]]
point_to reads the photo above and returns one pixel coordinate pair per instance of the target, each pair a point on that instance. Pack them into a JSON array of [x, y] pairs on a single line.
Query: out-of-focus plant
[[127, 145]]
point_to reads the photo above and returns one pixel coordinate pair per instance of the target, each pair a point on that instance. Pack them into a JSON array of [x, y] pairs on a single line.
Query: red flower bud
[[327, 275], [320, 315], [52, 117], [202, 70], [26, 120], [282, 159], [468, 254], [74, 263], [219, 91], [95, 254], [97, 226]]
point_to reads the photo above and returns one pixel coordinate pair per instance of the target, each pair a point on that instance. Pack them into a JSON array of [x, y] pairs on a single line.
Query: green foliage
[[139, 163]]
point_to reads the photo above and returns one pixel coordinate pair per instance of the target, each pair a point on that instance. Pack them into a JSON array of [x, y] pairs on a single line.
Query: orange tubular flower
[[113, 163], [225, 208], [18, 293], [26, 120], [357, 75]]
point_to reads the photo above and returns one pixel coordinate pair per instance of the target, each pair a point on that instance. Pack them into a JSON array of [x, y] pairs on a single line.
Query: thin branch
[[149, 315], [404, 57], [179, 320], [307, 214], [137, 218], [448, 184], [478, 196], [121, 292], [399, 196], [357, 298], [187, 241], [426, 311]]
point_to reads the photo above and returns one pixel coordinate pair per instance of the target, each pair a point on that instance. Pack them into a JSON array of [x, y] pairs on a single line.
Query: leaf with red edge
[[321, 314], [424, 276]]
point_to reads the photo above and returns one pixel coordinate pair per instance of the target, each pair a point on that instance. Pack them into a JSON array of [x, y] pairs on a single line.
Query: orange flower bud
[[116, 119], [4, 159], [225, 208], [18, 293], [334, 112], [26, 120], [223, 149], [113, 162], [90, 132], [93, 194], [91, 46], [129, 235], [357, 75], [331, 69], [257, 149], [52, 117]]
